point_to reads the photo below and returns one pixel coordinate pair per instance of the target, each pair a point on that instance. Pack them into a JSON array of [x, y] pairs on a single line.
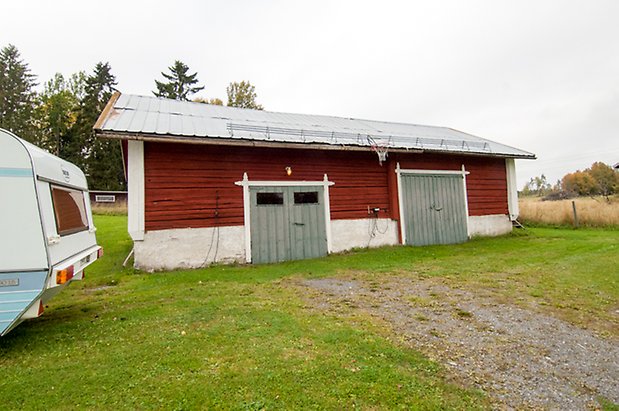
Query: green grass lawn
[[240, 337]]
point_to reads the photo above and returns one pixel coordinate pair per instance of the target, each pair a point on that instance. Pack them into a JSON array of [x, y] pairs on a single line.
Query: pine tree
[[101, 159], [180, 84], [16, 94], [242, 95]]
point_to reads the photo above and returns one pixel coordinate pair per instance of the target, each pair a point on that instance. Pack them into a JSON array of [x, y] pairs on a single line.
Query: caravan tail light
[[65, 275], [100, 252]]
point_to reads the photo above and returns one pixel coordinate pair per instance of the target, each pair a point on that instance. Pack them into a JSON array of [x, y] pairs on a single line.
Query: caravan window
[[70, 210]]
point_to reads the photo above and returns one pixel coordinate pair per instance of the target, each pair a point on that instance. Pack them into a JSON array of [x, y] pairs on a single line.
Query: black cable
[[378, 229], [216, 224], [215, 229], [374, 228]]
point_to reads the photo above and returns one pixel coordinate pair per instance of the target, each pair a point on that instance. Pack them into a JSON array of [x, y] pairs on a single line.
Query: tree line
[[599, 179], [60, 117]]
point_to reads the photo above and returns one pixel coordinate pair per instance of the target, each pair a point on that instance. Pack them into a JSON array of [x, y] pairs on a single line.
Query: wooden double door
[[434, 208], [287, 223]]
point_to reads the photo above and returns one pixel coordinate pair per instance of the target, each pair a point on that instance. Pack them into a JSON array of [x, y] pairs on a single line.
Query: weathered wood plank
[[183, 181]]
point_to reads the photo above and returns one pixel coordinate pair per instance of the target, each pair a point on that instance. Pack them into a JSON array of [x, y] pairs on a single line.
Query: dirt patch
[[95, 290], [521, 358]]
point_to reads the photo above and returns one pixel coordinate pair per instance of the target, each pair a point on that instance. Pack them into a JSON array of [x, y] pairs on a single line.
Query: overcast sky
[[539, 75]]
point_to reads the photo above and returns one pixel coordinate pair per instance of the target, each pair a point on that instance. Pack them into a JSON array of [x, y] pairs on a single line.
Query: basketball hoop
[[379, 149]]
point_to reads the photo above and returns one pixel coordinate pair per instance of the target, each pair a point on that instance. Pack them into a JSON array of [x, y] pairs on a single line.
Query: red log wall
[[486, 185], [193, 185]]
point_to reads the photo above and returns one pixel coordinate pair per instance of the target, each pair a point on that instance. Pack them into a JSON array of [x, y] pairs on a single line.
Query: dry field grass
[[110, 209], [592, 212]]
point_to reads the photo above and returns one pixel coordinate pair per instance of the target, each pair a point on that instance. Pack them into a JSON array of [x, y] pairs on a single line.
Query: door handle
[[299, 223]]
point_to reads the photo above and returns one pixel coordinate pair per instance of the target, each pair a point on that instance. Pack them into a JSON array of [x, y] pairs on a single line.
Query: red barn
[[220, 184]]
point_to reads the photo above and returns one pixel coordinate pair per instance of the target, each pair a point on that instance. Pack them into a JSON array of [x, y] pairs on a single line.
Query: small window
[[270, 198], [105, 199], [310, 197], [70, 210]]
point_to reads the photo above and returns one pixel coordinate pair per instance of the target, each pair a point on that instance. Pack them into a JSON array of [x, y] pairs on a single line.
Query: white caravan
[[47, 234]]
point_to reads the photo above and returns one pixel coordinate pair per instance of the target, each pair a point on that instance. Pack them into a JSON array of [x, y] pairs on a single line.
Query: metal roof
[[128, 116]]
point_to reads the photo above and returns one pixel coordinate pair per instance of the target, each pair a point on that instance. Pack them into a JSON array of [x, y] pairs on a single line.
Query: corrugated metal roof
[[170, 118]]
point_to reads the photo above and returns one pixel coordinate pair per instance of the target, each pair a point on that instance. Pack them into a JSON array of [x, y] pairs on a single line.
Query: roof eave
[[106, 111]]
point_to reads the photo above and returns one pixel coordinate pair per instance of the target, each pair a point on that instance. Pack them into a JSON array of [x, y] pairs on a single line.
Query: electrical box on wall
[[373, 210]]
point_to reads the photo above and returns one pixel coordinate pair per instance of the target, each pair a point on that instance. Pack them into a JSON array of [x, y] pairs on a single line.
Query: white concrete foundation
[[199, 247], [367, 232], [489, 225], [189, 248]]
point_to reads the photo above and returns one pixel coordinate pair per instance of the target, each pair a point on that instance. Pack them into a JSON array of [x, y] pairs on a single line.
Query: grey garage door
[[287, 223], [434, 209]]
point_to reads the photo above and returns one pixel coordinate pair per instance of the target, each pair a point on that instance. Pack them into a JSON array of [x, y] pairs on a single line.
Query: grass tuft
[[463, 313]]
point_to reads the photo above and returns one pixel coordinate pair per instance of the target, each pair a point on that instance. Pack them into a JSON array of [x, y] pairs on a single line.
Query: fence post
[[575, 214]]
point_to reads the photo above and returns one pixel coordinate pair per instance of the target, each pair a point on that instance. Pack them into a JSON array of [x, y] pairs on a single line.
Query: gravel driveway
[[520, 358]]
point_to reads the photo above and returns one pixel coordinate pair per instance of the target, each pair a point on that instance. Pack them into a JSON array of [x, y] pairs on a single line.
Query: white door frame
[[136, 189], [399, 171], [512, 189], [246, 183]]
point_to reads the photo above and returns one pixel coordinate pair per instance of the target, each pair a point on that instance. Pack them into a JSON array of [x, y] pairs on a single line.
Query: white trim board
[[432, 172], [512, 188], [246, 183], [287, 183], [135, 196], [398, 172], [466, 202], [246, 216]]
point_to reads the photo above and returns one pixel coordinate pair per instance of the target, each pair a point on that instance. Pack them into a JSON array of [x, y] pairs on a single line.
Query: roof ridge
[[197, 103]]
